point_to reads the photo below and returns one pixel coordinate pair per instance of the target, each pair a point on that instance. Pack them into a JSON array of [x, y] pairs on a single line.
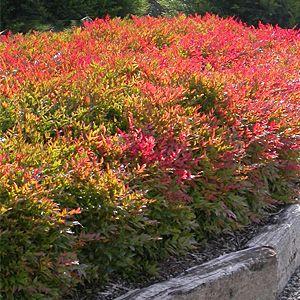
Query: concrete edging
[[259, 272]]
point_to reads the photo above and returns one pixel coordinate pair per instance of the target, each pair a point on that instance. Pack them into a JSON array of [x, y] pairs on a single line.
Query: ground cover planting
[[126, 141]]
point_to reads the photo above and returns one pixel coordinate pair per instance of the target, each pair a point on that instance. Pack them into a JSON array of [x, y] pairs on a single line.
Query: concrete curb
[[259, 272]]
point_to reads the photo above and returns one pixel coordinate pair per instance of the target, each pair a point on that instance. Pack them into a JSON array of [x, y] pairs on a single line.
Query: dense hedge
[[23, 15], [127, 141]]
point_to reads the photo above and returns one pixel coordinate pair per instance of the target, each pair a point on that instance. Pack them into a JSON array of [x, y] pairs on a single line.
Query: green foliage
[[37, 251], [42, 14], [286, 13]]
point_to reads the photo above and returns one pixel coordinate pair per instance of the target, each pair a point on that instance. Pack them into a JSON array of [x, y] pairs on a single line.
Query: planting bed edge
[[259, 272]]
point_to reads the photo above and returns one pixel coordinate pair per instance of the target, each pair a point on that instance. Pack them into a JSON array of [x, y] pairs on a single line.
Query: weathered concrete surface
[[248, 274], [257, 273], [284, 238]]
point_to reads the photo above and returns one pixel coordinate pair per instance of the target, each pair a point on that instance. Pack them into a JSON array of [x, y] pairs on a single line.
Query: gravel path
[[292, 289]]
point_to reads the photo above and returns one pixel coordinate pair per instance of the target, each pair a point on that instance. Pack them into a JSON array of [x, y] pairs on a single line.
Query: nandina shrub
[[158, 131], [122, 230], [37, 250]]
